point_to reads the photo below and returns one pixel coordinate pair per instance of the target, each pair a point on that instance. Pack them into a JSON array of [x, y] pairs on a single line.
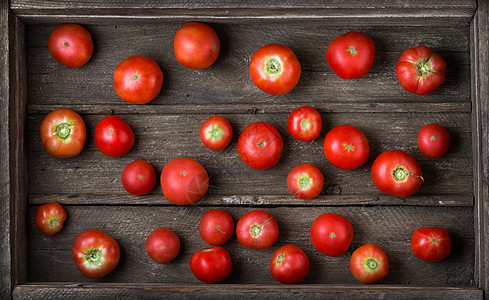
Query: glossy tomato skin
[[397, 173], [216, 227], [433, 140], [260, 145], [138, 177], [275, 69], [211, 265], [346, 147], [95, 253], [257, 229], [331, 234], [216, 133], [420, 70], [113, 136], [431, 243], [184, 181], [50, 218], [305, 181], [351, 55], [162, 245], [369, 264], [304, 124], [138, 79], [71, 45], [63, 133], [289, 264]]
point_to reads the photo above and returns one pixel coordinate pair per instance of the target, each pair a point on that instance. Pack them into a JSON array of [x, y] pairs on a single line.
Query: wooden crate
[[454, 196]]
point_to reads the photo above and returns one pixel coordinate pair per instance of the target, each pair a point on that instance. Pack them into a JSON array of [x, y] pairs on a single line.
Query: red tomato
[[95, 253], [433, 140], [50, 218], [138, 79], [211, 265], [260, 145], [351, 55], [305, 181], [289, 264], [420, 70], [63, 133], [138, 177], [196, 46], [274, 69], [216, 133], [346, 147], [397, 173], [431, 243], [369, 264], [216, 227], [113, 136], [184, 181], [331, 234], [71, 45], [162, 245], [304, 124], [257, 229]]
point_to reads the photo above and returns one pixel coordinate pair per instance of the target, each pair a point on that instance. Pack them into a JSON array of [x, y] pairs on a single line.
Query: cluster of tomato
[[274, 69]]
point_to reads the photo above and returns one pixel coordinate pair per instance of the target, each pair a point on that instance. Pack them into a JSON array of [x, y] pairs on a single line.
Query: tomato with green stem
[[289, 264], [346, 147], [211, 265], [260, 145], [162, 245], [113, 136], [257, 229], [433, 140], [138, 177], [71, 45], [431, 244], [304, 124], [305, 181], [216, 133], [369, 263], [216, 227], [50, 218], [331, 234]]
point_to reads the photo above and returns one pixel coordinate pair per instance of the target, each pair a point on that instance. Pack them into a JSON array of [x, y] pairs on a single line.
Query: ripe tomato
[[138, 79], [257, 229], [63, 133], [331, 234], [351, 55], [431, 243], [397, 173], [113, 136], [184, 181], [95, 253], [216, 133], [71, 45], [433, 140], [274, 69], [216, 227], [162, 245], [420, 70], [304, 124], [138, 177], [196, 46], [260, 145], [289, 264], [346, 147], [211, 265], [50, 218], [369, 263], [305, 181]]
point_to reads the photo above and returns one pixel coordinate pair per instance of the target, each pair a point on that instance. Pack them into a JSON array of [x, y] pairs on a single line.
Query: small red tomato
[[216, 227], [211, 265], [305, 181], [431, 243], [351, 55], [196, 46], [433, 140], [346, 147], [289, 264], [369, 264], [304, 124], [113, 136], [162, 245], [138, 177], [331, 234], [257, 229], [216, 133], [50, 218], [274, 69], [260, 145], [420, 70], [71, 45]]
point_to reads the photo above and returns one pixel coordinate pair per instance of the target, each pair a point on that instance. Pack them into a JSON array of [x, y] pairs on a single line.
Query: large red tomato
[[113, 136], [420, 70], [433, 140], [274, 69], [346, 147], [289, 264], [50, 218], [211, 265], [71, 45], [351, 55], [216, 133], [331, 234], [216, 227], [369, 263], [305, 181], [162, 245], [304, 124], [431, 243], [138, 177], [63, 133], [260, 145], [257, 229]]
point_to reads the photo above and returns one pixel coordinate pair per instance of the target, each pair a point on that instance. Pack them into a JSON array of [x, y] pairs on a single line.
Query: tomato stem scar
[[255, 229], [352, 50], [63, 130], [371, 264], [280, 259], [273, 66]]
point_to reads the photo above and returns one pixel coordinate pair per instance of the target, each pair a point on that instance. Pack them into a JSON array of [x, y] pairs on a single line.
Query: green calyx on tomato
[[256, 229], [135, 77], [66, 44], [371, 264], [94, 257], [352, 50], [273, 66], [349, 147], [303, 182], [280, 259], [401, 173], [63, 130], [215, 133], [305, 124], [424, 67]]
